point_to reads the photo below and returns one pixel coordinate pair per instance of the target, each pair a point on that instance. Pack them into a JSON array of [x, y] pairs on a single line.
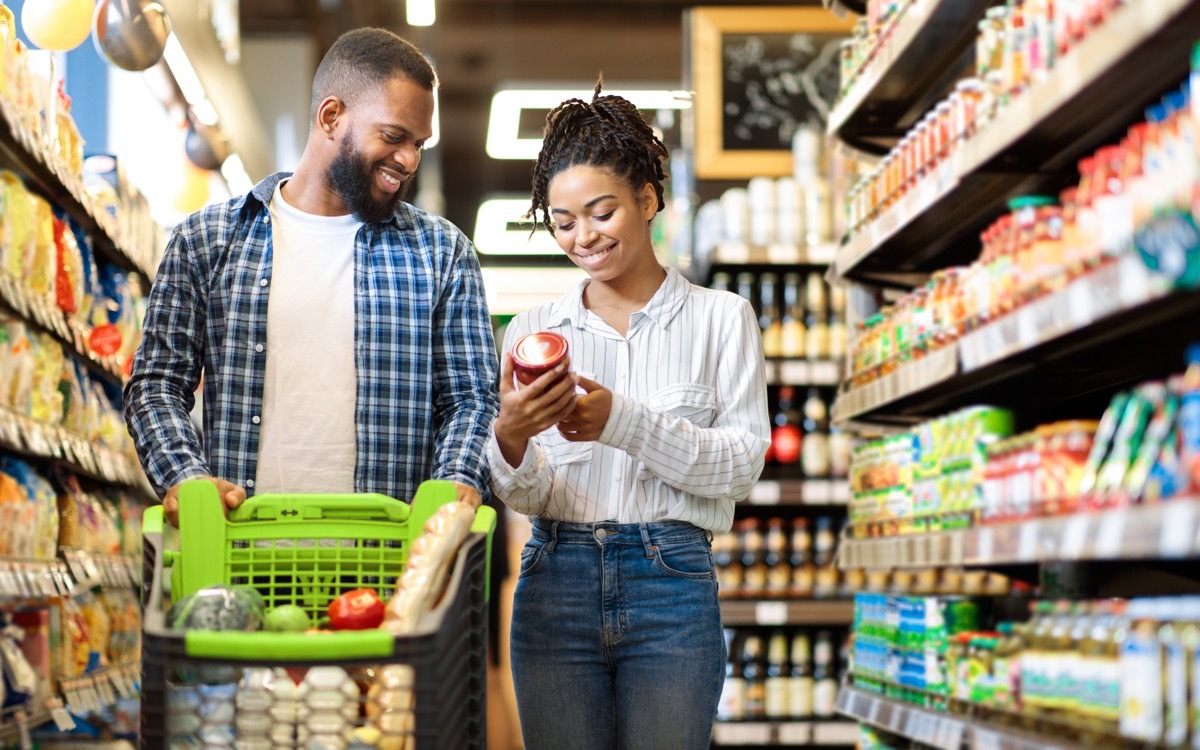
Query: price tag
[[873, 712], [1178, 529], [770, 613], [1079, 300], [765, 493], [1074, 537], [1027, 542], [794, 372], [824, 372], [23, 739], [60, 716], [985, 739], [1110, 533], [983, 544], [817, 492], [74, 701], [794, 733], [777, 253], [733, 252], [953, 737]]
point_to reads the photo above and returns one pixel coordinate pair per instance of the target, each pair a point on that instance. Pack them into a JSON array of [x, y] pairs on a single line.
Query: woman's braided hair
[[608, 132]]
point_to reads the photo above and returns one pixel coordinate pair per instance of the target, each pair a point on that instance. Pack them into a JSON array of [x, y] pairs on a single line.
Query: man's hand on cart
[[231, 497], [468, 494]]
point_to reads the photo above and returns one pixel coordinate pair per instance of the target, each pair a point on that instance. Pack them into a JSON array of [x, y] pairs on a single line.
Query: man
[[342, 333]]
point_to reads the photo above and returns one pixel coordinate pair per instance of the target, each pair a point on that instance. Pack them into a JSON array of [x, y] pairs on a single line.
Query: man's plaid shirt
[[424, 353]]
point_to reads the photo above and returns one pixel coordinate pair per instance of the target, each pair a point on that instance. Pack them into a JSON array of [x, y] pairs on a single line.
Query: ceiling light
[[420, 12], [503, 137], [501, 229], [188, 82]]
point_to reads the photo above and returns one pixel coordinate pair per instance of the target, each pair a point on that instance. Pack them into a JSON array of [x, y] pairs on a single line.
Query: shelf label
[[793, 372], [797, 733], [765, 493], [770, 613], [983, 544], [1178, 527], [1074, 537], [1110, 533], [1027, 543]]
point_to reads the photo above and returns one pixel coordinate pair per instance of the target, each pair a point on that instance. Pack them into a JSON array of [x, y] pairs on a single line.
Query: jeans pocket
[[692, 560], [531, 555]]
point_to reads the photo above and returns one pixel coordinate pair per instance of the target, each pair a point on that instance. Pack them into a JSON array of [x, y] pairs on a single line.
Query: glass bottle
[[779, 569], [800, 689], [730, 706], [817, 323], [770, 320], [778, 677], [801, 560], [815, 454], [794, 335], [824, 677], [754, 678], [785, 434]]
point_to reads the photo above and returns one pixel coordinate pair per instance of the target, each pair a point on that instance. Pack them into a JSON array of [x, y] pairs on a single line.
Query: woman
[[626, 472]]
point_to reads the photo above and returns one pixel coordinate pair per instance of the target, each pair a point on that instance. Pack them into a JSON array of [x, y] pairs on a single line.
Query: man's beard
[[354, 180]]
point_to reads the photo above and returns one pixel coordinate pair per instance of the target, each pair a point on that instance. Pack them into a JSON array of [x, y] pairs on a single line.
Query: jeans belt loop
[[553, 537], [649, 545]]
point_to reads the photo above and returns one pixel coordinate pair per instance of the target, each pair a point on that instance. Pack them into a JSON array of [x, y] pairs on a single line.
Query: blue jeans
[[616, 637]]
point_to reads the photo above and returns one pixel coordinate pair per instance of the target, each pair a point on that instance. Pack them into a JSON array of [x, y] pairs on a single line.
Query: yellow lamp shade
[[191, 188], [57, 25]]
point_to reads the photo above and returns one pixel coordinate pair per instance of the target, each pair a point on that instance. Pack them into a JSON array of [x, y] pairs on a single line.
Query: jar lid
[[539, 349]]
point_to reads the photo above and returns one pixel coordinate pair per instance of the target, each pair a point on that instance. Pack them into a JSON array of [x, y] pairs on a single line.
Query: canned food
[[538, 353]]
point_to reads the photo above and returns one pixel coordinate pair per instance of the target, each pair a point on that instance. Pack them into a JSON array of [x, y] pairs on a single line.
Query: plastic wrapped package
[[46, 401], [99, 627], [16, 365], [429, 560]]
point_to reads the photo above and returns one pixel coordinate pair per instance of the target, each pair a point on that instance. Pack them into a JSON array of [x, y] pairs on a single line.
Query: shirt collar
[[661, 308], [265, 190]]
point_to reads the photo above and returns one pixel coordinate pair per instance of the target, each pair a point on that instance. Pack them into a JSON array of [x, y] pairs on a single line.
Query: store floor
[[504, 731]]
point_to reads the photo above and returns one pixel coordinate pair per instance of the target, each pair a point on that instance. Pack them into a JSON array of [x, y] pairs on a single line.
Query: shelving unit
[[784, 733], [1061, 356], [21, 151], [916, 57], [1032, 145], [937, 729], [20, 434], [751, 612], [799, 492]]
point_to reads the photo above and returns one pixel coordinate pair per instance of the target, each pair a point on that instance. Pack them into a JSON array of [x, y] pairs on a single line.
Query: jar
[[536, 354]]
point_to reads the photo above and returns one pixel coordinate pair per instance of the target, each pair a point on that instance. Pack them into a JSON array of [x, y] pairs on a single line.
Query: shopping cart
[[198, 687]]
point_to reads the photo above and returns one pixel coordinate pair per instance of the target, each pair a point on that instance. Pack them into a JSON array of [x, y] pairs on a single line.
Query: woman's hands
[[586, 421], [526, 411]]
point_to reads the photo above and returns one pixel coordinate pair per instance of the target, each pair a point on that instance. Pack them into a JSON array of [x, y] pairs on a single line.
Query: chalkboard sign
[[759, 74]]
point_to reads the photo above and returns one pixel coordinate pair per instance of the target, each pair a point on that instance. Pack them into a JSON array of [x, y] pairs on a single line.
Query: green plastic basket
[[294, 549]]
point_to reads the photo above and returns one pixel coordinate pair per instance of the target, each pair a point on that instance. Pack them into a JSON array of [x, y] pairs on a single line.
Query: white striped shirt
[[688, 429]]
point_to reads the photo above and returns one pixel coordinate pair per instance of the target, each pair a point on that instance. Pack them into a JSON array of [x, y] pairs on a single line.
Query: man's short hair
[[364, 59]]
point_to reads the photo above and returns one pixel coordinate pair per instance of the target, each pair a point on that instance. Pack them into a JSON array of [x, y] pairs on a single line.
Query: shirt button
[[267, 219], [255, 419], [262, 282], [249, 482], [258, 347], [600, 534]]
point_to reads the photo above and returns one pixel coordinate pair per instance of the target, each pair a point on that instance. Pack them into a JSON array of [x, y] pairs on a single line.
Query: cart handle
[[262, 645], [281, 507]]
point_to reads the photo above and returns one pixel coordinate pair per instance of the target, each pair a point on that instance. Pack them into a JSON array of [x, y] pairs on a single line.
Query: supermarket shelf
[[1091, 96], [21, 151], [938, 549], [909, 380], [787, 612], [70, 331], [800, 492], [22, 434], [1159, 531], [1116, 326], [937, 729], [741, 253], [12, 722], [784, 733], [75, 571], [918, 55], [802, 372]]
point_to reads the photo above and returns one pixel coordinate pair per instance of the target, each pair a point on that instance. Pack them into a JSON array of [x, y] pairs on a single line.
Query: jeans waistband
[[611, 532]]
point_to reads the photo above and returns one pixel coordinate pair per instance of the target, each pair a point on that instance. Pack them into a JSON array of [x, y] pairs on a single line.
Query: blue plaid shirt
[[424, 353]]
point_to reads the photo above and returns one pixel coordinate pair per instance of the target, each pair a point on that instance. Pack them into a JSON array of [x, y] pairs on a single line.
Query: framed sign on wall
[[760, 73]]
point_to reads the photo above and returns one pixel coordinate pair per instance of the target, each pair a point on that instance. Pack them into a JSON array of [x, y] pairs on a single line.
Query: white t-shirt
[[307, 437]]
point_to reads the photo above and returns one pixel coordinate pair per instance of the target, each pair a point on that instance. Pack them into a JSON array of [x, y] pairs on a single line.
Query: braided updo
[[607, 132]]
